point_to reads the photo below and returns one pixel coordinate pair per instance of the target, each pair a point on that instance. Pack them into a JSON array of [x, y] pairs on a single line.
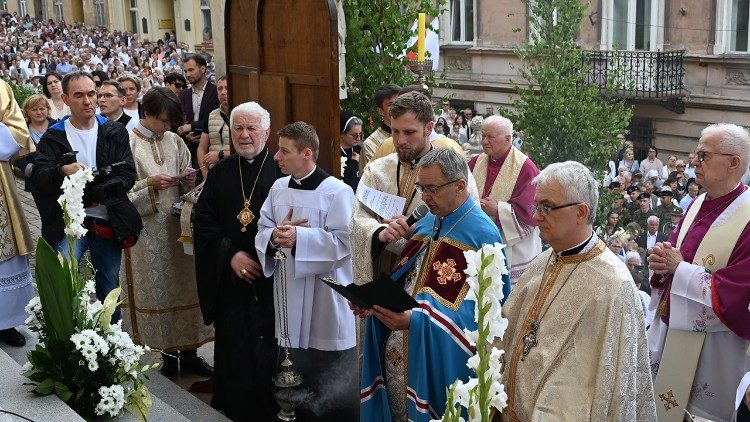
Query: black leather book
[[383, 292]]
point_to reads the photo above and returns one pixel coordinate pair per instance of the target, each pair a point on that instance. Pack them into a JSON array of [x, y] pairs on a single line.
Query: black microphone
[[417, 214]]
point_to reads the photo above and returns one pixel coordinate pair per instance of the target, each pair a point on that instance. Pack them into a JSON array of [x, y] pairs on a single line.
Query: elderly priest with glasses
[[575, 348], [701, 290], [411, 357]]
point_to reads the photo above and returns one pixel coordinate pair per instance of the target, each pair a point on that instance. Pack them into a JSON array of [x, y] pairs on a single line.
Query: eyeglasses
[[702, 155], [547, 210], [433, 189]]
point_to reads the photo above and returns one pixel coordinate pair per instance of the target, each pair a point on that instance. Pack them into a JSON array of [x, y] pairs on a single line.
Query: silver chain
[[280, 258]]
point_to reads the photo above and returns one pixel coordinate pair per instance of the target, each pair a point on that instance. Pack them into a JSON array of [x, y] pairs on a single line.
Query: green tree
[[563, 119], [21, 92], [377, 33]]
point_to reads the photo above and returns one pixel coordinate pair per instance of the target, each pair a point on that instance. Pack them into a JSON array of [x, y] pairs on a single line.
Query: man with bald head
[[701, 285], [503, 175]]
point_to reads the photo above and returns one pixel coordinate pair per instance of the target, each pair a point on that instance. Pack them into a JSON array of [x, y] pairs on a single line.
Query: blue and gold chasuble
[[435, 345]]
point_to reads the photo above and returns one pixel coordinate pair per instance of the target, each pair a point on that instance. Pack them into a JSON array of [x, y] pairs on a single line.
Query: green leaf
[[110, 304], [56, 294], [62, 391], [45, 387], [139, 402]]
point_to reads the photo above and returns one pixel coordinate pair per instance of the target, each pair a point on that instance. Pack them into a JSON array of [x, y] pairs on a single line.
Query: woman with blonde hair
[[36, 111]]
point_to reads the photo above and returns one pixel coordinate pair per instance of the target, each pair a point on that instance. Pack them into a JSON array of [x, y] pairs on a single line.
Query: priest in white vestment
[[701, 287], [575, 348], [306, 216], [16, 285]]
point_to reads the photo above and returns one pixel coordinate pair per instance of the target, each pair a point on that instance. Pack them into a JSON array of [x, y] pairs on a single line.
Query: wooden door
[[284, 55]]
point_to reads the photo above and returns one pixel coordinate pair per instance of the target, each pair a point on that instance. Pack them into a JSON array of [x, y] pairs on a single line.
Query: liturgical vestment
[[507, 181], [709, 293], [588, 359], [406, 373], [160, 299], [245, 351], [387, 175], [16, 288]]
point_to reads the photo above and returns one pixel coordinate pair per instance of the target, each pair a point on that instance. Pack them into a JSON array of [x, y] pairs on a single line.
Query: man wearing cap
[[644, 210], [666, 207], [633, 205]]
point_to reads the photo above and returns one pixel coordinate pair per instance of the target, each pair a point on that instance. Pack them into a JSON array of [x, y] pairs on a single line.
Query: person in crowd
[[384, 97], [175, 82], [416, 358], [610, 227], [160, 304], [306, 216], [692, 193], [639, 272], [652, 163], [234, 294], [682, 176], [456, 133], [197, 102], [690, 168], [52, 89], [214, 143], [601, 339], [111, 95], [652, 235], [132, 86], [98, 77], [700, 282], [628, 161], [616, 243], [36, 111], [667, 207], [441, 127], [673, 184], [437, 140], [669, 167], [351, 131], [503, 175], [644, 210], [15, 275], [380, 239], [99, 143]]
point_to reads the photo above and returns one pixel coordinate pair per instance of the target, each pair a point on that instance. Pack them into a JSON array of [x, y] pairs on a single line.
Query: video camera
[[103, 188]]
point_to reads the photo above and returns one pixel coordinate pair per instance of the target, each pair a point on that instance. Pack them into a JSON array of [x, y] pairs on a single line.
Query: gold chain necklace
[[246, 216]]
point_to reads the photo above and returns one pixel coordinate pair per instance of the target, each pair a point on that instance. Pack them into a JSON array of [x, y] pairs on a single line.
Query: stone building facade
[[477, 40]]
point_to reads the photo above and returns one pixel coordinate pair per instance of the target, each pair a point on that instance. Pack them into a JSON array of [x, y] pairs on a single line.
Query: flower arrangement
[[81, 357], [478, 395]]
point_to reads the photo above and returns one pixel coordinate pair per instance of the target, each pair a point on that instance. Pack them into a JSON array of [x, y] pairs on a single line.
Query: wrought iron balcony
[[658, 75]]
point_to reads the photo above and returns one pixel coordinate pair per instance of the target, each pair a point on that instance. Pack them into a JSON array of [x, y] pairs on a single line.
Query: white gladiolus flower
[[72, 201], [90, 287]]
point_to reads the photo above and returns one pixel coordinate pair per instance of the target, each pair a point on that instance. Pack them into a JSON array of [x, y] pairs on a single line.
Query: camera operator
[[86, 140]]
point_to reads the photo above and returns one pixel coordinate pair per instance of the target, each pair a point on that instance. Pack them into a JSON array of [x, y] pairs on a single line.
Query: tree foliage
[[561, 118], [377, 33]]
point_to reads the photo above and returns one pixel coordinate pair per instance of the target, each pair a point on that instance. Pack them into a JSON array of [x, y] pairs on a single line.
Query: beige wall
[[717, 87]]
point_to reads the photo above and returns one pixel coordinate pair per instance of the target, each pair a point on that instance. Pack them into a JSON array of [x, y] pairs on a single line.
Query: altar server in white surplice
[[306, 215]]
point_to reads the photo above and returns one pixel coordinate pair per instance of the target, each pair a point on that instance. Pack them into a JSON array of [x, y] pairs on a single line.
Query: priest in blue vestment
[[410, 358]]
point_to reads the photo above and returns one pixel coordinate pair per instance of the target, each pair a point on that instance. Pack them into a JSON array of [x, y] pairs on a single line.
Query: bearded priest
[[575, 348]]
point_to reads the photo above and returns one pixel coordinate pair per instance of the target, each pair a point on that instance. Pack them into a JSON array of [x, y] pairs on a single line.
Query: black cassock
[[245, 351]]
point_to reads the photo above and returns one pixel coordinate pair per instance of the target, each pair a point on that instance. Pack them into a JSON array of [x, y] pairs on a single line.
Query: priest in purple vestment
[[503, 175], [702, 278]]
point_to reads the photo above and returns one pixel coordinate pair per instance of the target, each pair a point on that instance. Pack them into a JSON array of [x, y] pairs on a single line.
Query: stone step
[[171, 403]]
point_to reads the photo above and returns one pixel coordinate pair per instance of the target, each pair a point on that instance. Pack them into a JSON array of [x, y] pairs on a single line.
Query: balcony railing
[[638, 74]]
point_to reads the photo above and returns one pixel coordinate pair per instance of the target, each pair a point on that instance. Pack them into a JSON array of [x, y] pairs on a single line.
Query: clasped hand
[[664, 258], [396, 321], [285, 234]]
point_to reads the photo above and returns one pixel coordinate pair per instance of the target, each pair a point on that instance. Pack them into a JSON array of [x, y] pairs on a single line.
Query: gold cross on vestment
[[529, 340]]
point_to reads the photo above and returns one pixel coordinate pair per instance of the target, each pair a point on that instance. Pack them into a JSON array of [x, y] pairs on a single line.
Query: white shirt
[[197, 99], [650, 240], [84, 141], [134, 119]]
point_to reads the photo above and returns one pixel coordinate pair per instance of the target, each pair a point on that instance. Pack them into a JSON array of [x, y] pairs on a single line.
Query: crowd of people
[[595, 314]]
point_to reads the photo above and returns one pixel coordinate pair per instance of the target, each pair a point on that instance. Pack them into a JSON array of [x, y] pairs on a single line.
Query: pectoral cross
[[529, 340]]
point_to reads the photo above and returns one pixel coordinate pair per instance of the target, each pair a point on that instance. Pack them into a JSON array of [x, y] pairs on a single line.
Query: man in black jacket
[[74, 143], [197, 102]]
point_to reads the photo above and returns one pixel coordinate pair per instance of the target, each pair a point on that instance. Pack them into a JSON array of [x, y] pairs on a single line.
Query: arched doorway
[[284, 55]]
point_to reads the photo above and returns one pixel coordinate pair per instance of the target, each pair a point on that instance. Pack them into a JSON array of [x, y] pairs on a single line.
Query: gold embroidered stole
[[508, 174], [14, 232], [549, 278], [409, 176]]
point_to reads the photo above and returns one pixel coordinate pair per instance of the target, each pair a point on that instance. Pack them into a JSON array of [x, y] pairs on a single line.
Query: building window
[[461, 21], [732, 24], [633, 25], [59, 10], [207, 31], [4, 5], [22, 9], [101, 14], [134, 16]]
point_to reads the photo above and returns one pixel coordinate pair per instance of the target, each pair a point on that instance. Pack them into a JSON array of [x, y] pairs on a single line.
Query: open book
[[383, 292]]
